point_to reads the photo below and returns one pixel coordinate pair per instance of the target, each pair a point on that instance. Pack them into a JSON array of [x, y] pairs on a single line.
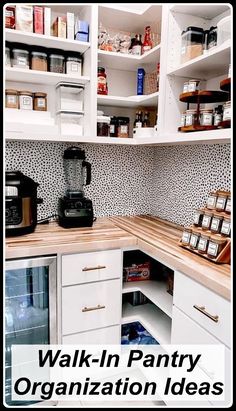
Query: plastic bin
[[70, 123], [70, 96], [192, 43], [224, 30]]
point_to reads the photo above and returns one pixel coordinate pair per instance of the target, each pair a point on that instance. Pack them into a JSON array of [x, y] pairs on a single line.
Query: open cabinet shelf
[[130, 101]]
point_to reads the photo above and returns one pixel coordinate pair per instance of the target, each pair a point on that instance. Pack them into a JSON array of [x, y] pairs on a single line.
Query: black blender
[[75, 210]]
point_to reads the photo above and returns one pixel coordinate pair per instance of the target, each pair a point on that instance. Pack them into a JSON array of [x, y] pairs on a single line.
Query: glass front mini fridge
[[30, 308]]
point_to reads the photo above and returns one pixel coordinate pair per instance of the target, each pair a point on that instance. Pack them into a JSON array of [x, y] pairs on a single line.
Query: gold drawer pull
[[98, 307], [99, 267], [203, 311]]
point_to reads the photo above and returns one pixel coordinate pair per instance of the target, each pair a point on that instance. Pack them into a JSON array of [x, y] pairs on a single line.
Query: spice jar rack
[[201, 97]]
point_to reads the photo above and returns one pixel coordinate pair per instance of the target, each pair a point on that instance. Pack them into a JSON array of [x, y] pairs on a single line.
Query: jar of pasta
[[191, 118], [25, 100]]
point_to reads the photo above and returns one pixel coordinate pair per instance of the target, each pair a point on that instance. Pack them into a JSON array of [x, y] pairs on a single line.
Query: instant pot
[[20, 203]]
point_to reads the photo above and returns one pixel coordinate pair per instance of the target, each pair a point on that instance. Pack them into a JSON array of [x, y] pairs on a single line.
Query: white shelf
[[41, 77], [212, 64], [196, 137], [152, 318], [128, 62], [46, 41], [206, 11], [130, 101], [154, 291]]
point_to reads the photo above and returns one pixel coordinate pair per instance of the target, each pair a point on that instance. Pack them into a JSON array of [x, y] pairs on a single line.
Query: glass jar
[[221, 200], [206, 221], [74, 66], [183, 119], [20, 58], [113, 126], [227, 111], [203, 243], [56, 63], [198, 217], [10, 17], [39, 61], [215, 246], [205, 42], [229, 72], [195, 236], [212, 37], [226, 227], [191, 118], [206, 117], [102, 81], [40, 101], [211, 201], [218, 115], [7, 57], [193, 85], [25, 100], [192, 43], [216, 223], [11, 98], [123, 127], [186, 236], [228, 205], [103, 126], [185, 88]]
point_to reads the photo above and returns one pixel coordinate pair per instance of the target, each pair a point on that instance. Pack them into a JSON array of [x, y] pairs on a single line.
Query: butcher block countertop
[[156, 237]]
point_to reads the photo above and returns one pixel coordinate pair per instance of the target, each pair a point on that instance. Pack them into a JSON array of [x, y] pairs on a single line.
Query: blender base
[[75, 213]]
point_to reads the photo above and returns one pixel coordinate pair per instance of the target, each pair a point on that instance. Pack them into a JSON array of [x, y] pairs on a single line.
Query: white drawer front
[[88, 267], [193, 298], [108, 335], [90, 306]]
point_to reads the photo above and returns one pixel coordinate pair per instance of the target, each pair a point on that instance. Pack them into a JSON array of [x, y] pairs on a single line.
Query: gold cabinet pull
[[98, 267], [98, 307], [202, 310]]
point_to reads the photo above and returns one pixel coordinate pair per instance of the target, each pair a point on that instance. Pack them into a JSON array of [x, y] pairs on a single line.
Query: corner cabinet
[[166, 20]]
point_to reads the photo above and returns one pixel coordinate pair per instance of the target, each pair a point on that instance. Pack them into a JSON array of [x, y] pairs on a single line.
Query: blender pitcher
[[74, 166]]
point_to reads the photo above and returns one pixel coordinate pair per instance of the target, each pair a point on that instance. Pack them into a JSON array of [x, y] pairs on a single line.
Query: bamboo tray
[[204, 96], [196, 127]]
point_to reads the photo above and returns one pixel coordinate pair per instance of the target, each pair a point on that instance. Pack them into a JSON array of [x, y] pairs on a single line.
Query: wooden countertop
[[157, 237]]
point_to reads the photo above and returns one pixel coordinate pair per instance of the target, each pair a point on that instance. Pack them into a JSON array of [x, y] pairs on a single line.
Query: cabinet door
[[108, 335]]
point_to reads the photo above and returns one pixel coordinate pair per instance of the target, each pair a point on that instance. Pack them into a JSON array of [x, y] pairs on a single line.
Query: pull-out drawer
[[91, 306], [108, 335], [89, 267], [210, 310]]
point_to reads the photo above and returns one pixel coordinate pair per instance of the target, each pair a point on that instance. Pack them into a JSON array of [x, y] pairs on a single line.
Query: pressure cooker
[[20, 203]]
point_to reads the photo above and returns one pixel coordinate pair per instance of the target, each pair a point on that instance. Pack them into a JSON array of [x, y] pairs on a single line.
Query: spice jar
[[102, 81], [123, 127], [186, 236], [25, 100], [7, 57], [215, 246], [191, 117], [218, 115], [113, 126], [195, 236], [212, 37], [221, 200], [211, 201], [227, 111], [74, 65], [203, 243], [39, 61], [103, 126], [10, 17], [183, 119], [206, 221], [20, 58], [11, 100], [228, 205], [56, 63], [40, 101], [216, 223], [206, 117], [198, 217], [193, 85], [185, 88], [226, 227]]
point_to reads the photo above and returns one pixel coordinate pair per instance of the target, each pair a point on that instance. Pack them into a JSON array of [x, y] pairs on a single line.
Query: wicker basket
[[150, 82]]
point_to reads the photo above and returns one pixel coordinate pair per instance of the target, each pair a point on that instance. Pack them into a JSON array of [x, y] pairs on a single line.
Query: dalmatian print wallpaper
[[169, 182]]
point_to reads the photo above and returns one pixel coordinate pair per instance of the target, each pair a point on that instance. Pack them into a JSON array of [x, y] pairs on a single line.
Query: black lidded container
[[20, 203]]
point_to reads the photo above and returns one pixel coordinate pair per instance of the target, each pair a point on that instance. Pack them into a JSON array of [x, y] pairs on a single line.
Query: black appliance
[[74, 209], [20, 203]]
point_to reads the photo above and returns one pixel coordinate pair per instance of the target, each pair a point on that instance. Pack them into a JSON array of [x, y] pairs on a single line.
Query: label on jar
[[185, 89], [189, 120], [217, 119], [206, 221], [215, 224], [182, 122], [221, 203], [211, 201], [26, 102], [22, 61], [112, 128], [225, 229], [196, 218], [11, 99], [212, 249], [123, 129], [192, 87], [137, 50], [228, 206], [185, 237], [41, 102], [9, 13], [193, 240], [206, 119], [227, 113], [202, 245], [74, 67]]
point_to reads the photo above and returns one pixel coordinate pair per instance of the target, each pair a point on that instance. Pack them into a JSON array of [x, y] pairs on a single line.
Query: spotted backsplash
[[169, 182]]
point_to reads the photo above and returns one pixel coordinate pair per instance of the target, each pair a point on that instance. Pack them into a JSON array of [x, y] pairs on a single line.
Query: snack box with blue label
[[137, 272]]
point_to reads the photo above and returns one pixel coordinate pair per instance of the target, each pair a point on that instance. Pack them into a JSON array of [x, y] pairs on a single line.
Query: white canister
[[25, 100], [206, 117], [227, 111], [74, 66]]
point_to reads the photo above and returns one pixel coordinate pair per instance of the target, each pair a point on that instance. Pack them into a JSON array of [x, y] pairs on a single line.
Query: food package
[[24, 18], [59, 27], [38, 19], [111, 40], [137, 272]]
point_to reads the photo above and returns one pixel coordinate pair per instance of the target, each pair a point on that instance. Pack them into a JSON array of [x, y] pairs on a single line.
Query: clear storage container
[[74, 65], [224, 30], [20, 58], [192, 43], [103, 126], [39, 61], [70, 123], [56, 63], [69, 96]]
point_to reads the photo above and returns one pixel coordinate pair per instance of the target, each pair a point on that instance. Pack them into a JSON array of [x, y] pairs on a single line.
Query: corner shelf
[[152, 318], [204, 96], [130, 101]]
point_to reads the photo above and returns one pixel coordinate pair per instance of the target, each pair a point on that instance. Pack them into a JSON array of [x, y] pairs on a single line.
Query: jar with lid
[[228, 205], [195, 236], [20, 58], [56, 63], [198, 217], [206, 117], [227, 111], [39, 61], [191, 118], [211, 201], [11, 100], [212, 37], [206, 221], [192, 43], [193, 85], [40, 101], [226, 226], [218, 115], [221, 200], [7, 57], [183, 119], [216, 223], [102, 81], [186, 236], [25, 100], [215, 246], [185, 87], [74, 65], [113, 126], [103, 126], [123, 127], [203, 243]]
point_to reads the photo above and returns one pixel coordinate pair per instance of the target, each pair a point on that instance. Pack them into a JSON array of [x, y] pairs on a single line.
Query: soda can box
[[137, 272]]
